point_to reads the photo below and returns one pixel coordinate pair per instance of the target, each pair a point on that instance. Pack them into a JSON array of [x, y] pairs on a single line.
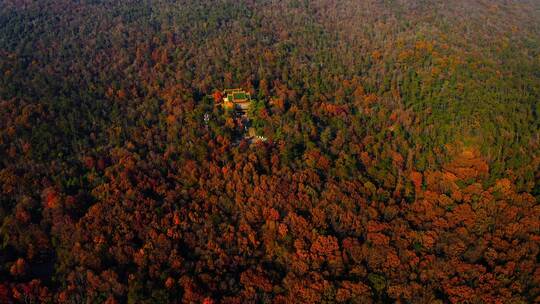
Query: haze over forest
[[374, 151]]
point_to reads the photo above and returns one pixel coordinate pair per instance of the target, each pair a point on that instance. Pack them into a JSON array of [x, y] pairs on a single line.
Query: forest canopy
[[397, 157]]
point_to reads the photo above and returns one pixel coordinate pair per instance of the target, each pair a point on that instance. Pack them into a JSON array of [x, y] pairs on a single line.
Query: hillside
[[400, 160]]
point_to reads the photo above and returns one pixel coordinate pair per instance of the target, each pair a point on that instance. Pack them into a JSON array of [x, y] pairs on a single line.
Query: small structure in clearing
[[237, 100]]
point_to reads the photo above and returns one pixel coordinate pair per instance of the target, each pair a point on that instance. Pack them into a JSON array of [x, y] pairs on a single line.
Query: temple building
[[236, 99]]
